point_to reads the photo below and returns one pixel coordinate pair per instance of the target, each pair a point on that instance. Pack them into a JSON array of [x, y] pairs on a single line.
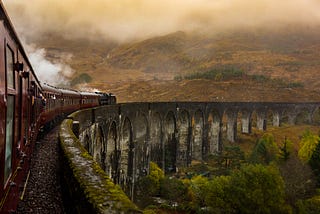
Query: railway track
[[43, 191]]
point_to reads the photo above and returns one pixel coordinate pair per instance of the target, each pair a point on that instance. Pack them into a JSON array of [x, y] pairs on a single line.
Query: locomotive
[[26, 105]]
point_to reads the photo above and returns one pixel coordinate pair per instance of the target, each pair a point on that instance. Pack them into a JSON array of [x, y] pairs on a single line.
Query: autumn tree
[[258, 189], [218, 196], [308, 145], [251, 189], [197, 188]]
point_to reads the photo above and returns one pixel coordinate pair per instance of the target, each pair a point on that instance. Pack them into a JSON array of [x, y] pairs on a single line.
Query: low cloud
[[123, 20], [126, 20]]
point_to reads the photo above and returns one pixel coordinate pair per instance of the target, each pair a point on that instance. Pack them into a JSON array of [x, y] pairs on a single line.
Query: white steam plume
[[47, 71], [136, 19]]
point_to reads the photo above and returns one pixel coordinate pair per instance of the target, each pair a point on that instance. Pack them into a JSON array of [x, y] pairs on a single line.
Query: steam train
[[26, 105]]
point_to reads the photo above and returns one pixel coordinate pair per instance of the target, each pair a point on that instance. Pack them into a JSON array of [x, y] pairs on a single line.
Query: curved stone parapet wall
[[124, 138], [89, 187]]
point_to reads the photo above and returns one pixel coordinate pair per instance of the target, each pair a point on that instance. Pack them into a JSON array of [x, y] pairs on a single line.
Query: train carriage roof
[[67, 92], [51, 89], [89, 94]]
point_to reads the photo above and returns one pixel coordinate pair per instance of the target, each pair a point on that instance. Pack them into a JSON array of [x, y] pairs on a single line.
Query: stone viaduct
[[124, 138]]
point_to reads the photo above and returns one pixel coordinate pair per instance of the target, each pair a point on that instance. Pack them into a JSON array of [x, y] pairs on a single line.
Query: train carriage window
[[10, 71], [9, 114], [9, 137]]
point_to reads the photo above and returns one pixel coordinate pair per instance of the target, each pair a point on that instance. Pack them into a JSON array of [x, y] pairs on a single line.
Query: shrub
[[295, 85], [173, 189], [260, 78], [309, 206], [217, 74], [150, 184]]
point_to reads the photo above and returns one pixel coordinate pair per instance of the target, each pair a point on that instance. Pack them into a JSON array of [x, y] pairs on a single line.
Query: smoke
[[124, 20], [48, 71], [85, 87]]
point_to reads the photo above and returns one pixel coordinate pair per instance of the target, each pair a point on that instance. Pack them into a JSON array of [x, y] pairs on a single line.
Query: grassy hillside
[[290, 54], [279, 65]]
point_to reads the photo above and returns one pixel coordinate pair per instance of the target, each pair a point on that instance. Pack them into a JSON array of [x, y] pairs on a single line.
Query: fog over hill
[[152, 46], [125, 20]]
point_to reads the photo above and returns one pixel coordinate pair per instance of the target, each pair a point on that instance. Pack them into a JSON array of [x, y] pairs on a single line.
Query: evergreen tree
[[232, 157], [265, 151], [285, 149]]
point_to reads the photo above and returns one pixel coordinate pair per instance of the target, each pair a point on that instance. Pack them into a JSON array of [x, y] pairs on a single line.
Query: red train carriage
[[70, 101], [51, 103], [25, 106], [18, 113], [89, 99]]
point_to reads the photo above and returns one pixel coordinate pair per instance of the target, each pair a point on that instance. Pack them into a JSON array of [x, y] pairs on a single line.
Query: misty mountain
[[290, 55], [235, 50]]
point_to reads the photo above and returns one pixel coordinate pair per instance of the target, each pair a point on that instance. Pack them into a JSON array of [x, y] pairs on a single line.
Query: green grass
[[229, 72], [217, 74]]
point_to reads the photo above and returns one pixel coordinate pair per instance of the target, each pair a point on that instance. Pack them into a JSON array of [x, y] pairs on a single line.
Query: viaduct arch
[[124, 138]]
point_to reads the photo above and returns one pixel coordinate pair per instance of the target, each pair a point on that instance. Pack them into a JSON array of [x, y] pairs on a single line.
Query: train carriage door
[[20, 112], [27, 104], [33, 104], [10, 113], [23, 105]]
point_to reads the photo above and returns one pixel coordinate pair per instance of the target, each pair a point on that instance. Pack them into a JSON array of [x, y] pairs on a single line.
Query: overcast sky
[[124, 20]]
